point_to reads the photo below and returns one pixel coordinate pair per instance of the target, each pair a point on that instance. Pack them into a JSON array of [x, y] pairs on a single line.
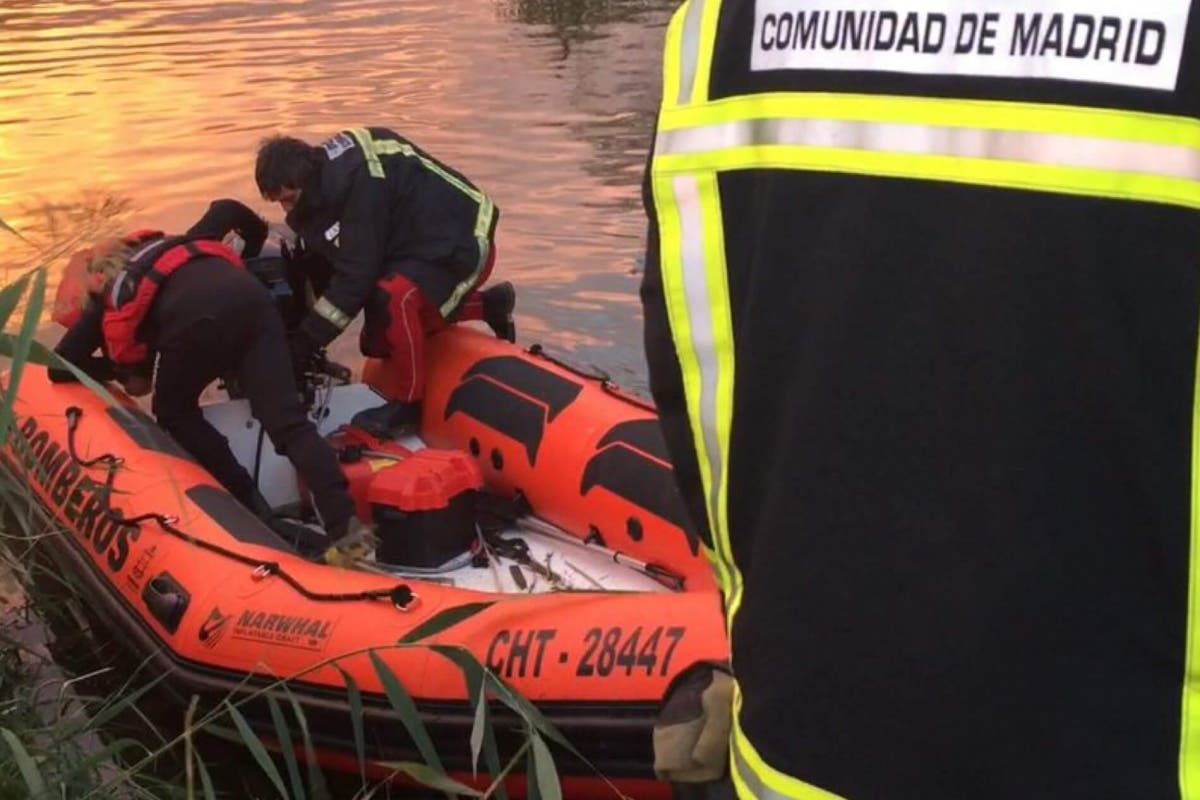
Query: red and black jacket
[[128, 300], [85, 332]]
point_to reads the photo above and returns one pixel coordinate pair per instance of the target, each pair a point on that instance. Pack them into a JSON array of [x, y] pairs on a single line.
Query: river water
[[140, 112], [148, 109]]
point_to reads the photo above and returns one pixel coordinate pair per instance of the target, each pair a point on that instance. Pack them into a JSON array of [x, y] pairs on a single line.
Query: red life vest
[[128, 300]]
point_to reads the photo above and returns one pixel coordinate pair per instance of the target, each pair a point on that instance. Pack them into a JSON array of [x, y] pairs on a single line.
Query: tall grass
[[55, 736]]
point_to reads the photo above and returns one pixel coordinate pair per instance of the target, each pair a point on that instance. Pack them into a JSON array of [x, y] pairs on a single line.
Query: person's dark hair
[[284, 162]]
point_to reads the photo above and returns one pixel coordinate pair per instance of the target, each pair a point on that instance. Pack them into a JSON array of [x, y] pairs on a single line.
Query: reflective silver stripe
[[328, 311], [1062, 150], [144, 249], [758, 789], [695, 289], [115, 294], [689, 50]]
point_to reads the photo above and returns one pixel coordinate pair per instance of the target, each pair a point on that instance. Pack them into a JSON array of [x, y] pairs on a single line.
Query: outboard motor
[[283, 276], [286, 283]]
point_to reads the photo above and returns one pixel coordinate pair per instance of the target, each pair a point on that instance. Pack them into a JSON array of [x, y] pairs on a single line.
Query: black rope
[[400, 595], [600, 376], [74, 414]]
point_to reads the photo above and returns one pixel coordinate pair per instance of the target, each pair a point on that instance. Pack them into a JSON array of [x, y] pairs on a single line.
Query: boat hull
[[223, 606]]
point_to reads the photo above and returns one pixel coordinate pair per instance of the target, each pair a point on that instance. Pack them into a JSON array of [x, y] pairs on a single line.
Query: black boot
[[498, 304], [388, 420]]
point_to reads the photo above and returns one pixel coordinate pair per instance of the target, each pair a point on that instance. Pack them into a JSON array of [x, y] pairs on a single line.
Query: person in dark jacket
[[208, 317], [393, 232], [921, 327]]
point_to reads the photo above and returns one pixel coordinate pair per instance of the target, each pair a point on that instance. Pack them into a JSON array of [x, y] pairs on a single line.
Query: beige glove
[[691, 735], [357, 543]]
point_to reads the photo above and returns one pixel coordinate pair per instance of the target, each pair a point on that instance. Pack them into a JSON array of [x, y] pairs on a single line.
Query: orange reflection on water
[[161, 103]]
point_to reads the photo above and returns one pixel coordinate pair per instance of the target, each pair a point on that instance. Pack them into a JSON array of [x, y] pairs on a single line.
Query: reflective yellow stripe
[[391, 147], [483, 222], [1066, 150], [697, 297], [716, 279], [685, 78], [984, 172], [671, 71], [708, 32], [670, 220], [754, 778], [683, 49], [1189, 734], [363, 137], [978, 114], [374, 148], [1093, 152], [331, 313]]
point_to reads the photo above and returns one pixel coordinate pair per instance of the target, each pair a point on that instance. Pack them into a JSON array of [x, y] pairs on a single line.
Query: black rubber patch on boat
[[513, 397], [643, 434], [142, 428], [555, 391], [226, 511], [623, 467]]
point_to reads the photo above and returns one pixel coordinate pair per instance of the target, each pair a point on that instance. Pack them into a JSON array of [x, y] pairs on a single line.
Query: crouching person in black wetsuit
[[189, 301]]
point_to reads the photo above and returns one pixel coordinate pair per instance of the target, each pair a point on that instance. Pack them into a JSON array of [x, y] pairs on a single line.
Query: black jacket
[[961, 458], [170, 311], [366, 226]]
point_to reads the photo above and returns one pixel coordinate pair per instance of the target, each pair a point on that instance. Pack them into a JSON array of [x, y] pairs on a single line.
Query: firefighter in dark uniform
[[189, 302], [922, 301], [389, 230]]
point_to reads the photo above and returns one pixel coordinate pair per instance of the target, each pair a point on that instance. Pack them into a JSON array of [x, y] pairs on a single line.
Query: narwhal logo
[[213, 628]]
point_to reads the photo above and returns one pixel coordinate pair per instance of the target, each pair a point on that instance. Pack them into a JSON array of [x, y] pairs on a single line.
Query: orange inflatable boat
[[535, 511]]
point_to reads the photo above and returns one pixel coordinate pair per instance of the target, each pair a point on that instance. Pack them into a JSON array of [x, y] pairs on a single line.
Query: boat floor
[[517, 559]]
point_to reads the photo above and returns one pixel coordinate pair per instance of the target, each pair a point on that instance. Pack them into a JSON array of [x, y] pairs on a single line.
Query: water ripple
[[547, 104]]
